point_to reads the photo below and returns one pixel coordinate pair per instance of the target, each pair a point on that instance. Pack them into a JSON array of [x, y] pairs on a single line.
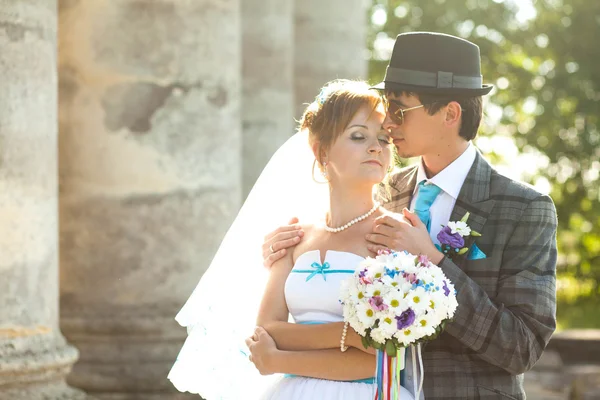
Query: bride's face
[[362, 154]]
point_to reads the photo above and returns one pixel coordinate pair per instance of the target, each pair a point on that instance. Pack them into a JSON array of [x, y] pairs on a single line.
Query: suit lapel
[[474, 197], [402, 186]]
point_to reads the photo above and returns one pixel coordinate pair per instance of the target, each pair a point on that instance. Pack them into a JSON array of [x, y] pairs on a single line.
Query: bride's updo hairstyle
[[333, 109]]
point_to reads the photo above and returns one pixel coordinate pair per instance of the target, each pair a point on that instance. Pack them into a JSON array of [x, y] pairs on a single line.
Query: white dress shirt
[[450, 180]]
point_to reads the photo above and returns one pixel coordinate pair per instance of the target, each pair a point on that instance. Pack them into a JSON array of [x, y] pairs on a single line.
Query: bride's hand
[[277, 242], [262, 351]]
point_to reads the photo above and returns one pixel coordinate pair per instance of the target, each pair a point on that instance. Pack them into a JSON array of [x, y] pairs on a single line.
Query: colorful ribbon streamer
[[387, 376]]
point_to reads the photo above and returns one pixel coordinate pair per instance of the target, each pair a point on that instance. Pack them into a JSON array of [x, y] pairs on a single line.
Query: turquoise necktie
[[425, 197]]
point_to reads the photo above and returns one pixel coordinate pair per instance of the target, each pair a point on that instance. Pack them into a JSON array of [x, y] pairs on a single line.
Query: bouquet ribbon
[[388, 374]]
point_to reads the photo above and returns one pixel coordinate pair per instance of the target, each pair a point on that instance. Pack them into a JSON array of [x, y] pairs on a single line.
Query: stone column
[[268, 92], [150, 150], [34, 357], [330, 38]]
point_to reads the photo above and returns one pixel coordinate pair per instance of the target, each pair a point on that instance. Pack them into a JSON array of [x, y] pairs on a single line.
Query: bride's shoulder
[[310, 228], [382, 212]]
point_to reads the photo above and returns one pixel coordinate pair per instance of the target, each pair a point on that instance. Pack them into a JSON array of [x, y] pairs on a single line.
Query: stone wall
[[150, 171], [34, 357]]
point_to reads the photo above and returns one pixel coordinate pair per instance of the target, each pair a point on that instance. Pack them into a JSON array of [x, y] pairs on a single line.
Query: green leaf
[[466, 217], [365, 342], [463, 251], [390, 348], [473, 233]]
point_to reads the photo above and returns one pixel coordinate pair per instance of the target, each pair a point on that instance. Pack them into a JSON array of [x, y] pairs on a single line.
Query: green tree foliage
[[547, 99]]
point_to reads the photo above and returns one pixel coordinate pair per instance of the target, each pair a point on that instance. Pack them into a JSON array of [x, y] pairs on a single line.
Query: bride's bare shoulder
[[310, 228]]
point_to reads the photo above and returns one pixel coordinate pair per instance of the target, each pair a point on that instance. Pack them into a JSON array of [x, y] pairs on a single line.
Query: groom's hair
[[472, 109]]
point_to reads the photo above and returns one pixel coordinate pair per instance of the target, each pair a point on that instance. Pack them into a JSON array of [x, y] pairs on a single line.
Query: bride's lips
[[374, 162]]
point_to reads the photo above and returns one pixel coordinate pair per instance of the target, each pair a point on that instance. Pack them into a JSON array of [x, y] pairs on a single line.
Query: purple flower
[[446, 237], [362, 273], [405, 319], [446, 289], [377, 303]]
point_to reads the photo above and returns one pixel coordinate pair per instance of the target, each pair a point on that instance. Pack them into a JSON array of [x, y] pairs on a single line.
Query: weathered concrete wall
[[34, 357], [268, 86], [150, 150], [330, 43]]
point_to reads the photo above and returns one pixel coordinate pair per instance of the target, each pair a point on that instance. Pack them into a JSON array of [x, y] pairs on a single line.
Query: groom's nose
[[389, 125]]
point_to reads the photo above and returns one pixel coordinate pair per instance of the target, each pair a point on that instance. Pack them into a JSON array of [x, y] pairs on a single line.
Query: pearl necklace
[[355, 220]]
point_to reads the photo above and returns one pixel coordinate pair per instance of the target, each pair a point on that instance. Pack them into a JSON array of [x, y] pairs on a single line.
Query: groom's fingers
[[285, 239], [282, 240], [385, 230], [270, 260], [382, 240], [287, 228], [375, 249], [395, 221]]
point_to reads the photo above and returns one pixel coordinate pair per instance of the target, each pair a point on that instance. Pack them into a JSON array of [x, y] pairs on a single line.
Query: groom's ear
[[453, 114]]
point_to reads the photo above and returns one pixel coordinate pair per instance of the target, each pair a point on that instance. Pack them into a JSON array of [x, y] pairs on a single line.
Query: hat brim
[[397, 87]]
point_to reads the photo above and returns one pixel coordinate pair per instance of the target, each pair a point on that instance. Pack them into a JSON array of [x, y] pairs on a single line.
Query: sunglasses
[[395, 112]]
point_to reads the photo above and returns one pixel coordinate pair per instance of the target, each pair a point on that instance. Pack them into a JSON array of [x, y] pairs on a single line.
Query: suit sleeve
[[512, 329]]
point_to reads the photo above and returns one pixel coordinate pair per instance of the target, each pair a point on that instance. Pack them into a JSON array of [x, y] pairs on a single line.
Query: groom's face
[[417, 133]]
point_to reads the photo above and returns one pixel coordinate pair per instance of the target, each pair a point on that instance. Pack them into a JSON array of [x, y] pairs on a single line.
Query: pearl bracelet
[[343, 346]]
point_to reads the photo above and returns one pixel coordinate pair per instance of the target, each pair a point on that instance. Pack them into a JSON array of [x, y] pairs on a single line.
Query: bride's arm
[[329, 364], [296, 337], [325, 364], [273, 317]]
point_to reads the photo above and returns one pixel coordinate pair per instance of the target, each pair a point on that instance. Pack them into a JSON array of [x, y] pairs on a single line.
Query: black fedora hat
[[436, 63]]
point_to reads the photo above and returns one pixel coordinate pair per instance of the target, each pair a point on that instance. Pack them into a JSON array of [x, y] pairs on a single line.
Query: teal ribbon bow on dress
[[319, 269]]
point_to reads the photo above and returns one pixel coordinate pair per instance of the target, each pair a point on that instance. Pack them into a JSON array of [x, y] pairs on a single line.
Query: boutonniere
[[452, 237]]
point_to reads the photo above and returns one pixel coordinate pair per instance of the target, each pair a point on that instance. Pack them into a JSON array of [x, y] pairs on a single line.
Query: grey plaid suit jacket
[[507, 302]]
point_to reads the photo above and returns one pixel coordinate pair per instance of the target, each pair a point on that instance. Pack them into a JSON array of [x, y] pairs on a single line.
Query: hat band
[[440, 80]]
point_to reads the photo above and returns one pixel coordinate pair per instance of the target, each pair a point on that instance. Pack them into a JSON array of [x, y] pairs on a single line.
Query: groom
[[506, 281]]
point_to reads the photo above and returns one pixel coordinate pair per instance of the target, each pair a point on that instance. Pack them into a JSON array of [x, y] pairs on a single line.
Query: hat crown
[[432, 52], [435, 63]]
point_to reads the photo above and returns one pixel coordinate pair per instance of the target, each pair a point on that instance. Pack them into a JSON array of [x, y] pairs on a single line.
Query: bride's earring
[[324, 171]]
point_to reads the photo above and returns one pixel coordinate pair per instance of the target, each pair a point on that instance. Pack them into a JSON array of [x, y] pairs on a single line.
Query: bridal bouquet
[[393, 301]]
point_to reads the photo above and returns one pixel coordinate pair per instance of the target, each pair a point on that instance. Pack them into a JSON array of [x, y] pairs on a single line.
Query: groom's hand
[[277, 242], [403, 232]]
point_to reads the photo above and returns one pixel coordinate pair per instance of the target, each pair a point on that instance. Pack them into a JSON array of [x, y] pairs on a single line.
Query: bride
[[316, 356]]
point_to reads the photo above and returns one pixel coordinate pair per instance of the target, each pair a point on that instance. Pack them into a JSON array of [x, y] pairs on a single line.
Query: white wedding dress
[[221, 312], [312, 295]]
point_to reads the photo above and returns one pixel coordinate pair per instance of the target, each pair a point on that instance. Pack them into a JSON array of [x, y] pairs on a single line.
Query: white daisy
[[365, 314], [426, 324], [357, 325], [396, 302], [356, 293], [388, 324], [417, 300], [407, 335], [378, 335], [459, 227], [376, 289]]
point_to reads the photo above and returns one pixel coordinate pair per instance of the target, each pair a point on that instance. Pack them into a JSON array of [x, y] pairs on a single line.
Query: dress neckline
[[322, 261]]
